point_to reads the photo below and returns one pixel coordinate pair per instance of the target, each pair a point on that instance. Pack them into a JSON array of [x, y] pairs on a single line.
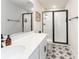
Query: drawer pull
[[44, 48]]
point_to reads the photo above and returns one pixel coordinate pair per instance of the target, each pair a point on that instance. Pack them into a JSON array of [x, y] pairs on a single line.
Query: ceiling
[[23, 3], [48, 4], [56, 3]]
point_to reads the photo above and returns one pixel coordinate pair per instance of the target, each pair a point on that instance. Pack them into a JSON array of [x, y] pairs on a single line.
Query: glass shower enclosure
[[55, 24]]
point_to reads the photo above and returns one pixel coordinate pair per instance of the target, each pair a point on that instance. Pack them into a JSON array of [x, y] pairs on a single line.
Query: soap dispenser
[[8, 40]]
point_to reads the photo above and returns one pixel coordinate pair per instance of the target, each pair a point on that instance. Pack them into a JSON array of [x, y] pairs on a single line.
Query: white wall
[[10, 11], [72, 7], [37, 7]]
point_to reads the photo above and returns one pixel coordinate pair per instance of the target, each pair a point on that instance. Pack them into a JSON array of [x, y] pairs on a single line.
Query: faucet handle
[[2, 43]]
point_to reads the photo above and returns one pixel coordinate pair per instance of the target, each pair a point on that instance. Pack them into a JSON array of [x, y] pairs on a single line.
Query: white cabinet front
[[41, 51]]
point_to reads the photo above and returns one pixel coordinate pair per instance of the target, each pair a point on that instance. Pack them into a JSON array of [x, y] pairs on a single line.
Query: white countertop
[[30, 41]]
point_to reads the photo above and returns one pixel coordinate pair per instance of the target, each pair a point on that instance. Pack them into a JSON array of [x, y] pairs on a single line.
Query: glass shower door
[[47, 24], [60, 27]]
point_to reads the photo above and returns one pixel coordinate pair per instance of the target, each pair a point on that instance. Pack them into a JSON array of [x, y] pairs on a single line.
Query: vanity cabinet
[[41, 51], [35, 54], [30, 46]]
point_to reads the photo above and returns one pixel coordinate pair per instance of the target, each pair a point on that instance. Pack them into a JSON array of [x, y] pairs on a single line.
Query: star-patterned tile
[[56, 51]]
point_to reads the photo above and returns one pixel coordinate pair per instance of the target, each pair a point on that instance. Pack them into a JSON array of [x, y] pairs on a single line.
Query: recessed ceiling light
[[54, 6]]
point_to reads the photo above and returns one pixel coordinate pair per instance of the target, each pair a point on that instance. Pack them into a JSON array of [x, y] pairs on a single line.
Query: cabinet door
[[35, 54], [43, 49]]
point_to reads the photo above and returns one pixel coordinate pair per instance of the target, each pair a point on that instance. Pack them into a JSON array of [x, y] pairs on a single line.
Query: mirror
[[11, 15], [26, 22]]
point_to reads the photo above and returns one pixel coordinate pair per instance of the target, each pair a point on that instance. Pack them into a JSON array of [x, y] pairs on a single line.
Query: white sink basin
[[12, 52]]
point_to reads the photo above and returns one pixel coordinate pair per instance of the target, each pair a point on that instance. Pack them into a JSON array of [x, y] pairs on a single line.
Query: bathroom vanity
[[26, 46]]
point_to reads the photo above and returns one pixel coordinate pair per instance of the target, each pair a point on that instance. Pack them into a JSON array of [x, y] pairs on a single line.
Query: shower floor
[[57, 51]]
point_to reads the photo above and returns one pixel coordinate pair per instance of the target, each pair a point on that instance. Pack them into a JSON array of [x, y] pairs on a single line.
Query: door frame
[[66, 27], [23, 21], [53, 39]]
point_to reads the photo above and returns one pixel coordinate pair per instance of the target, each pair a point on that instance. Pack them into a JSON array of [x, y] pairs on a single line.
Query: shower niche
[[55, 24]]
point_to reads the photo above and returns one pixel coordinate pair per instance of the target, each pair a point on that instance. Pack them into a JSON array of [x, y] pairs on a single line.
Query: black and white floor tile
[[56, 51]]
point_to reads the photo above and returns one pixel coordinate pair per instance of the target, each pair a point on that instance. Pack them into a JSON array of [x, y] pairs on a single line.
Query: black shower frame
[[53, 39]]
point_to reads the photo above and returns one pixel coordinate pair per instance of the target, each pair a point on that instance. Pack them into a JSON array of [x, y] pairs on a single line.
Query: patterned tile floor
[[56, 51]]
